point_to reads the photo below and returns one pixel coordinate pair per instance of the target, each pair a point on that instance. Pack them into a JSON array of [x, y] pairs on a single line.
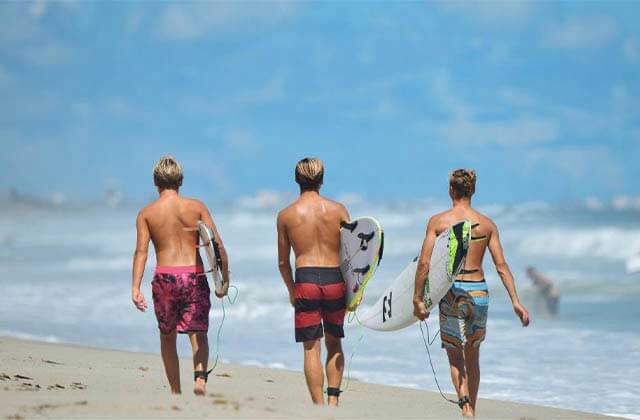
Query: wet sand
[[44, 380]]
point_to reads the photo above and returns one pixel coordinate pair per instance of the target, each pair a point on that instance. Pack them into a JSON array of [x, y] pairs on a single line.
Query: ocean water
[[65, 277]]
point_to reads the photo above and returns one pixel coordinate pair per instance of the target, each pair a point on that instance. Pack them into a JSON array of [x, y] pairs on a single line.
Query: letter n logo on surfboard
[[386, 307]]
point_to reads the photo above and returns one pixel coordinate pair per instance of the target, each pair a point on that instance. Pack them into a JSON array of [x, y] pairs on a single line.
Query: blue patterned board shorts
[[463, 314]]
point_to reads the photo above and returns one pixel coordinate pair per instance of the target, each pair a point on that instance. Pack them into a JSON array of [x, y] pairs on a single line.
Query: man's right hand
[[225, 290], [138, 300], [420, 310]]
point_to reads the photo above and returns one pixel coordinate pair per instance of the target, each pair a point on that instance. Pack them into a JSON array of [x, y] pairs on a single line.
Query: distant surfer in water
[[546, 289], [463, 310], [311, 225], [180, 288]]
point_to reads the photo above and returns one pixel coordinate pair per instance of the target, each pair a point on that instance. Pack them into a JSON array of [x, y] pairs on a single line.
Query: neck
[[309, 193], [462, 203], [168, 193]]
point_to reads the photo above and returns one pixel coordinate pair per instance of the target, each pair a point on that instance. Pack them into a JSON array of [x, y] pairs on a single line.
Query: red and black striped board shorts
[[320, 302]]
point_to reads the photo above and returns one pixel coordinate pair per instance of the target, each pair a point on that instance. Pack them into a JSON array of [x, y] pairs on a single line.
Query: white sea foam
[[101, 264], [603, 242], [28, 336]]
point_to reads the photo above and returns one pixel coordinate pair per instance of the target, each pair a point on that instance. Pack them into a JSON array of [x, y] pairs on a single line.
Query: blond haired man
[[311, 226], [463, 310], [180, 288]]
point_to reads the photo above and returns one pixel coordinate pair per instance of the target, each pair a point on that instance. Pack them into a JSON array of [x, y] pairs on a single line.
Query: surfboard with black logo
[[361, 249], [394, 309]]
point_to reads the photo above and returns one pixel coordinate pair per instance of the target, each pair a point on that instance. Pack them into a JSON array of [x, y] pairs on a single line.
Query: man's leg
[[313, 370], [472, 367], [170, 359], [459, 377], [335, 364], [200, 348]]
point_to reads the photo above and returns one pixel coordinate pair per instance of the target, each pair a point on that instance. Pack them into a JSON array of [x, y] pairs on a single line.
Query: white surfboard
[[633, 264], [213, 267], [361, 248], [394, 309]]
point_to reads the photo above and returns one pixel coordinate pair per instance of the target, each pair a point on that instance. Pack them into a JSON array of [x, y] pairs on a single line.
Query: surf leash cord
[[428, 343], [219, 331]]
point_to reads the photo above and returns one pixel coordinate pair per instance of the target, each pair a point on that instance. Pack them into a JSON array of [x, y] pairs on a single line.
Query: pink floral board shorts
[[181, 299]]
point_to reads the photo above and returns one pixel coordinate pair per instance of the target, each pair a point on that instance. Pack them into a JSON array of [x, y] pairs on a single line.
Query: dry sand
[[43, 380]]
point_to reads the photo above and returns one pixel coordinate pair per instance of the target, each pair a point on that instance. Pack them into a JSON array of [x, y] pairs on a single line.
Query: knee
[[333, 344], [167, 336], [456, 357], [311, 345]]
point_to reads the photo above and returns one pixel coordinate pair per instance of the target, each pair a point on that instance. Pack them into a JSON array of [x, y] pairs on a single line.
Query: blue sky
[[542, 99]]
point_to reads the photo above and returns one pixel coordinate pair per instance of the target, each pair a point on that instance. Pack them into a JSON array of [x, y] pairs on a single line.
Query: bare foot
[[467, 411], [200, 387], [332, 401]]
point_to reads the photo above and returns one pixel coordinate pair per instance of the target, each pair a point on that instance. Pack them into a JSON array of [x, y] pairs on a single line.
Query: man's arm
[[495, 247], [284, 252], [205, 216], [139, 260], [419, 308]]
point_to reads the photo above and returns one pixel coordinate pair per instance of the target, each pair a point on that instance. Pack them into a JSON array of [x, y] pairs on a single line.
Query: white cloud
[[624, 103], [242, 141], [515, 97], [517, 131], [581, 32], [38, 8], [194, 20], [16, 22], [588, 163], [468, 127], [512, 12], [441, 90], [631, 50]]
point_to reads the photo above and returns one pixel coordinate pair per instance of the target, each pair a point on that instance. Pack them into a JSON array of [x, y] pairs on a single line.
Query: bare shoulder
[[284, 214], [193, 203], [147, 210], [439, 221], [334, 205], [190, 201], [486, 225], [485, 220]]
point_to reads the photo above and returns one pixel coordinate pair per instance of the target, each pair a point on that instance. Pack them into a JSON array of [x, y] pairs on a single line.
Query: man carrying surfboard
[[463, 310], [180, 288], [311, 225]]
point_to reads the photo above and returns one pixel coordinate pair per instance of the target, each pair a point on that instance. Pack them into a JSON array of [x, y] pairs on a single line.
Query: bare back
[[311, 225], [481, 235], [167, 219]]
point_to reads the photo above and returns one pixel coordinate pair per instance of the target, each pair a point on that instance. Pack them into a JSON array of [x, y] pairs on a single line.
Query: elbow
[[284, 265], [502, 268], [140, 253]]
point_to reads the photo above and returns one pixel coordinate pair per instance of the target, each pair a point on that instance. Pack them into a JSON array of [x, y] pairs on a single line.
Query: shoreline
[[71, 381]]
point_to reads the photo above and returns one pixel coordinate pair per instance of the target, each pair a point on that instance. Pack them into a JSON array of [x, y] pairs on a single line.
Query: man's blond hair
[[167, 173], [310, 173], [462, 183]]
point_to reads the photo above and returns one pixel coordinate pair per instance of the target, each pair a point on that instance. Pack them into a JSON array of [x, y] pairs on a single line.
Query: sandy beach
[[44, 380]]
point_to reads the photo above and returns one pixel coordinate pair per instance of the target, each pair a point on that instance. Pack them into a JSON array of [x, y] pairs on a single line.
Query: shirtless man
[[180, 288], [463, 310], [311, 225]]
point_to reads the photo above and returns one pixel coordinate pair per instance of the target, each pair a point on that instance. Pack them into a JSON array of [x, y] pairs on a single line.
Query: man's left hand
[[522, 313]]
